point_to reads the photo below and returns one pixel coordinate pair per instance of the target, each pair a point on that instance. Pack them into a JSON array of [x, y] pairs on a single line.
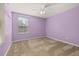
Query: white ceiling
[[59, 8], [35, 8]]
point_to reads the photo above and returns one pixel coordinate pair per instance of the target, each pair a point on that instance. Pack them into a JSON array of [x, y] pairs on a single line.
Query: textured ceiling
[[35, 8]]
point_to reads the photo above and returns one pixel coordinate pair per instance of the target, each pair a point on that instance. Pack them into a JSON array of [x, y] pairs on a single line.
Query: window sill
[[23, 32]]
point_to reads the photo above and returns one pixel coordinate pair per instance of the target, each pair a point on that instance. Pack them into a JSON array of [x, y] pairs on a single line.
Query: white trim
[[28, 38], [63, 41], [19, 40], [8, 49], [41, 37]]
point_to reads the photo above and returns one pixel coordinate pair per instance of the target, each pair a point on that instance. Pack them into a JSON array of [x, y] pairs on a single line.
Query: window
[[22, 24]]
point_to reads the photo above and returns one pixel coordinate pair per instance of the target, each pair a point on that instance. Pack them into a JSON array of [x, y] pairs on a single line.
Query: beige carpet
[[42, 47]]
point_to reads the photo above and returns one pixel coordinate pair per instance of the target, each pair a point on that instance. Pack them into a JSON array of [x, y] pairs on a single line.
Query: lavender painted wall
[[8, 31], [64, 26], [36, 27]]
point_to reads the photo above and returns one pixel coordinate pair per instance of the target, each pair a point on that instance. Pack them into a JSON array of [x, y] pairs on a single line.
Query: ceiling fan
[[44, 7]]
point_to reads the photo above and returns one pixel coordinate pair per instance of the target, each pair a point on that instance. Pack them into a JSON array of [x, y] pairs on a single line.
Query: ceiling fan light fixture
[[43, 12]]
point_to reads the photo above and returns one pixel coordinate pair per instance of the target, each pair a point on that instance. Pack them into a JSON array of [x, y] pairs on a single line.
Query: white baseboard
[[8, 49], [41, 37], [63, 41], [29, 38], [19, 40], [51, 38]]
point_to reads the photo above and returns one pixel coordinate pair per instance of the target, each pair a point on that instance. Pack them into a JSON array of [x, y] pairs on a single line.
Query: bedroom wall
[[64, 26], [36, 27], [1, 23], [7, 30]]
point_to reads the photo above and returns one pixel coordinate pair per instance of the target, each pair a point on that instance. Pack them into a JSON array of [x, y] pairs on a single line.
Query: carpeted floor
[[42, 47]]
